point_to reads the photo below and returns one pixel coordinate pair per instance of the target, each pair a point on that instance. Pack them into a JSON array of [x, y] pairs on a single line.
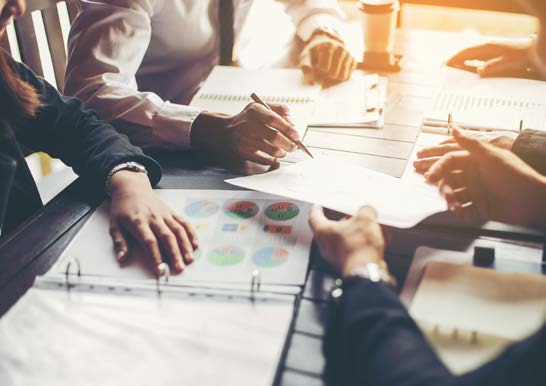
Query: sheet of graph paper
[[490, 103], [239, 232], [51, 338], [346, 187]]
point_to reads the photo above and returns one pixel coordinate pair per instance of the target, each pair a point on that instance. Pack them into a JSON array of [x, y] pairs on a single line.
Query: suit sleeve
[[372, 340], [530, 146], [65, 130]]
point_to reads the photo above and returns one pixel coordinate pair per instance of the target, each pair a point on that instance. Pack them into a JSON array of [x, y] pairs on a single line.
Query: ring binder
[[454, 333], [163, 270], [67, 272], [255, 283]]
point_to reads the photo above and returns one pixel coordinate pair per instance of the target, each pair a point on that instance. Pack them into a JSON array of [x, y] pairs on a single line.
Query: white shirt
[[135, 61]]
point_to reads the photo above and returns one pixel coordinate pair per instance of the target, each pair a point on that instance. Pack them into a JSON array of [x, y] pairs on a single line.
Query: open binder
[[75, 329]]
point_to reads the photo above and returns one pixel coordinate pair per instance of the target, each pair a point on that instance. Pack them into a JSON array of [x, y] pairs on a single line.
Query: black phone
[[8, 167]]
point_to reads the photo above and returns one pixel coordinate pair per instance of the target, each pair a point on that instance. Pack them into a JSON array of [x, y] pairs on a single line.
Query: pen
[[298, 143]]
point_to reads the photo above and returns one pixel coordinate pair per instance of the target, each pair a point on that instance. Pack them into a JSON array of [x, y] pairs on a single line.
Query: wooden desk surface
[[36, 245]]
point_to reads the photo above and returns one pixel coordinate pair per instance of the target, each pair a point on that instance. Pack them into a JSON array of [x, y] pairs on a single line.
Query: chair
[[27, 40]]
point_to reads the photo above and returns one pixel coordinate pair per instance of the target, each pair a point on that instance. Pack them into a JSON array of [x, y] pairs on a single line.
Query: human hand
[[429, 156], [483, 181], [503, 59], [326, 59], [255, 134], [136, 212], [351, 242]]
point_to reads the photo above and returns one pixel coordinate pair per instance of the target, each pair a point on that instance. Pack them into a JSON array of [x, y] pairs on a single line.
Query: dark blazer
[[65, 130], [373, 341], [530, 146]]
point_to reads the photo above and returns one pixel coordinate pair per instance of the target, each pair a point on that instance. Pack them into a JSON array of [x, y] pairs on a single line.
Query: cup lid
[[378, 6]]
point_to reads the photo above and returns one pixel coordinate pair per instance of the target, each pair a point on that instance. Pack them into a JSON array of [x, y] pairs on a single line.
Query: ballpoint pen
[[298, 143]]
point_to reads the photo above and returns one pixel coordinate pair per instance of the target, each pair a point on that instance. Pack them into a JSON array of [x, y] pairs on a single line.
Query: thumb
[[501, 66], [472, 144], [121, 246], [317, 219]]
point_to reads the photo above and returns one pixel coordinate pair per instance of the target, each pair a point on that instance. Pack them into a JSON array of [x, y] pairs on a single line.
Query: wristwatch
[[372, 272], [131, 166]]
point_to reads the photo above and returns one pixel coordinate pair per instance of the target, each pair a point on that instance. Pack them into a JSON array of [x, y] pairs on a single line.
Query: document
[[488, 104], [358, 102], [51, 337], [471, 314], [345, 188], [239, 233], [227, 90]]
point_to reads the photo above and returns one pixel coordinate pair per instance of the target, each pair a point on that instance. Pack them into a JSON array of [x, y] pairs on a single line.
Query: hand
[[326, 59], [430, 155], [510, 59], [136, 212], [351, 242], [256, 134], [483, 181]]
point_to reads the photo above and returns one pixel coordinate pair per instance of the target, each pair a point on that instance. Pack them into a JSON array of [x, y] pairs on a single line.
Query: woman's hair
[[18, 99]]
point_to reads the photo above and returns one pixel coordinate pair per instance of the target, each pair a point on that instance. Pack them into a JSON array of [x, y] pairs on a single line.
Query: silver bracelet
[[131, 166]]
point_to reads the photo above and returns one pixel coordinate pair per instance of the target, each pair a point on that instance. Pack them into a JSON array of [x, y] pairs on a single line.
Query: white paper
[[52, 337], [239, 232], [345, 188], [227, 90], [470, 304], [358, 102], [489, 103]]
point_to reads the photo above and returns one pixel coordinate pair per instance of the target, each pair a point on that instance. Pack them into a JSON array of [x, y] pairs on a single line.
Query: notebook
[[487, 104], [470, 315], [227, 90]]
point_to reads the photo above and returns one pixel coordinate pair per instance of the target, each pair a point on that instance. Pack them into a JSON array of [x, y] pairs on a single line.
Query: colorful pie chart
[[226, 255], [201, 209], [241, 210], [270, 257], [282, 211]]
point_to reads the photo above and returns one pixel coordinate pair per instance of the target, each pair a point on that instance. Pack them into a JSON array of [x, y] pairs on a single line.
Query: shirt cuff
[[319, 20], [172, 126]]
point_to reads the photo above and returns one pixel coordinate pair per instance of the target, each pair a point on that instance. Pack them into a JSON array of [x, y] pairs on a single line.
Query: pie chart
[[282, 211], [226, 255], [270, 257], [241, 210], [201, 209]]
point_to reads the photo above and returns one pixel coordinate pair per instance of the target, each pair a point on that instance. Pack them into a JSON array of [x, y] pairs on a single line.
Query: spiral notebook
[[227, 90]]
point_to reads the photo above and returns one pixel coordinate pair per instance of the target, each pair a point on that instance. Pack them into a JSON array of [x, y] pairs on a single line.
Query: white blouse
[[136, 61]]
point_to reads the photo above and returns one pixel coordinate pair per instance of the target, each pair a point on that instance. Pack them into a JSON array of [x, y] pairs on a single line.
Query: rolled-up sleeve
[[310, 15], [530, 146], [106, 46]]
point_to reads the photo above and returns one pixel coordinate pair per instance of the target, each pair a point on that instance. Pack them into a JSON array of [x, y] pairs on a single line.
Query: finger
[[186, 247], [169, 244], [274, 120], [452, 195], [260, 158], [423, 165], [270, 149], [308, 75], [481, 52], [190, 230], [447, 164], [435, 151], [446, 141], [277, 139], [324, 57], [472, 144], [121, 246], [502, 66], [329, 50], [367, 212], [147, 239], [349, 69], [283, 111], [317, 219], [341, 57]]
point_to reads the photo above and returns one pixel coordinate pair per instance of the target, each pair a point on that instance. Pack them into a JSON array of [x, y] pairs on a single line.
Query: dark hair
[[18, 99]]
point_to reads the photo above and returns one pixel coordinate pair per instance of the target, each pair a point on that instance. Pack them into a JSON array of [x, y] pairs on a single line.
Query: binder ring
[[163, 270], [255, 282], [67, 272]]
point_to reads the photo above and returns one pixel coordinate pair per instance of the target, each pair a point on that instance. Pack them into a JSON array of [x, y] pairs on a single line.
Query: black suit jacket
[[373, 341], [530, 146], [65, 130]]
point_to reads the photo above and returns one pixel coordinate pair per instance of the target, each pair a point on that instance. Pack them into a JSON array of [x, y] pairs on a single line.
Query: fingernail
[[180, 267], [190, 258], [452, 208], [120, 255]]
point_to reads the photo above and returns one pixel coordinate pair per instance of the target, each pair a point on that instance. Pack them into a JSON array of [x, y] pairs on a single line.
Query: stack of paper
[[488, 104]]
